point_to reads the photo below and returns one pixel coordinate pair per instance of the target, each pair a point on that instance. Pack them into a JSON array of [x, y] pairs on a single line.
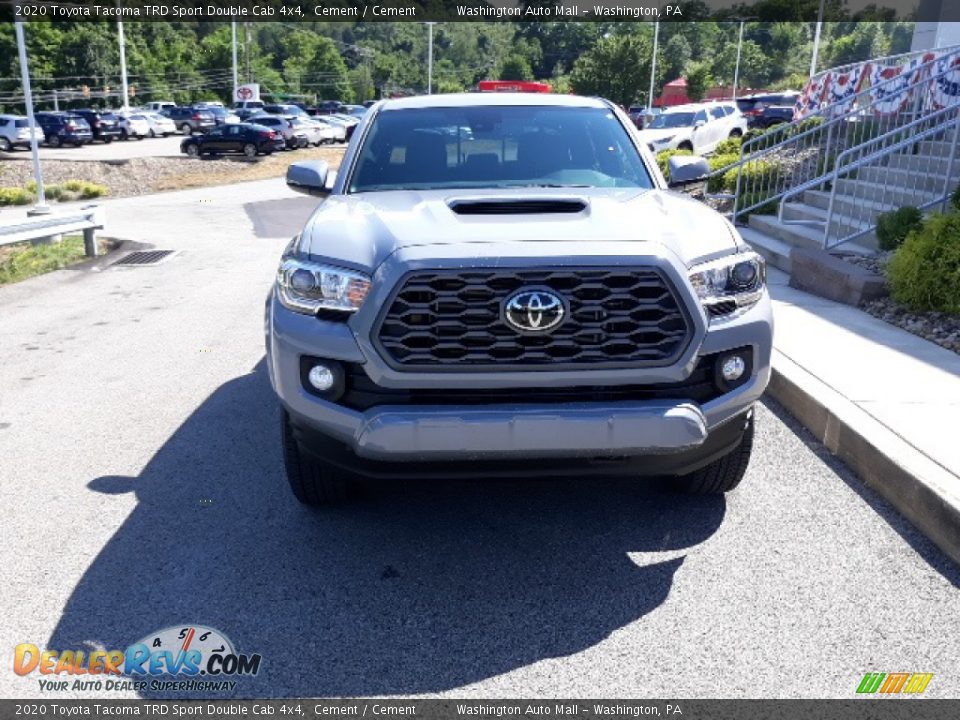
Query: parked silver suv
[[502, 284]]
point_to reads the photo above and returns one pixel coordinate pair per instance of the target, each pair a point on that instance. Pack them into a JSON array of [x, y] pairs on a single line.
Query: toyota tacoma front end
[[503, 284]]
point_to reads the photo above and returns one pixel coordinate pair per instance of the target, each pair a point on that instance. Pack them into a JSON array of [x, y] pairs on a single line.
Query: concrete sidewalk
[[883, 400]]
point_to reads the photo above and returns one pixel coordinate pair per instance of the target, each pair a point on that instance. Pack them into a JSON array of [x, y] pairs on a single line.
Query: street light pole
[[233, 34], [736, 72], [816, 40], [41, 207], [653, 62], [123, 66], [430, 57]]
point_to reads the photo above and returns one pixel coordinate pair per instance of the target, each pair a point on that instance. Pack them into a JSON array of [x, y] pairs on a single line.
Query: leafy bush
[[955, 198], [730, 146], [748, 199], [755, 173], [85, 190], [15, 196], [894, 226], [807, 124], [924, 273], [665, 155], [718, 162]]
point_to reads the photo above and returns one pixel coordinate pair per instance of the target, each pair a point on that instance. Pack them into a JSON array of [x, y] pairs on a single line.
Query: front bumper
[[667, 431]]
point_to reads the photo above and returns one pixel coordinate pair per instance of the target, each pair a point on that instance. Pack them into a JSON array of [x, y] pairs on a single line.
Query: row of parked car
[[267, 128], [297, 126]]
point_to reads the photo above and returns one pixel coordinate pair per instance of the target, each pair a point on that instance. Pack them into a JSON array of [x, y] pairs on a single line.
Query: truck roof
[[492, 99]]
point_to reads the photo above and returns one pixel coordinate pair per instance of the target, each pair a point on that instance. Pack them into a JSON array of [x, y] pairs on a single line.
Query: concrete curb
[[925, 493]]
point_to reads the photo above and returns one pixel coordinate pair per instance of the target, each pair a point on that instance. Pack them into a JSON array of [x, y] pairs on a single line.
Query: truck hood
[[362, 230]]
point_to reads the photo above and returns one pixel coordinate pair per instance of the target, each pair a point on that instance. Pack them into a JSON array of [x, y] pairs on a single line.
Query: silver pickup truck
[[502, 284]]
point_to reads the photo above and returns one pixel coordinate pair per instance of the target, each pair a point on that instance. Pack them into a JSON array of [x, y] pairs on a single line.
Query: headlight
[[308, 288], [732, 282]]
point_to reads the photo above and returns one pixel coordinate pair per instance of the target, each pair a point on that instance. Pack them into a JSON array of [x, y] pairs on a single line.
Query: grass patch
[[231, 169], [23, 260]]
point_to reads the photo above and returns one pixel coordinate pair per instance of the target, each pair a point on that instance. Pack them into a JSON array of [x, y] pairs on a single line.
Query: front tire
[[313, 481], [723, 475], [5, 145], [193, 151]]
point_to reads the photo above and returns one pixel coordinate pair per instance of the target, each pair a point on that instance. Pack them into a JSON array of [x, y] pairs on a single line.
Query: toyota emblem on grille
[[533, 310]]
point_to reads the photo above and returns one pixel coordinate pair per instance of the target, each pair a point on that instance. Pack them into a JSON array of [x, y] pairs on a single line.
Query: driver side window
[[700, 117]]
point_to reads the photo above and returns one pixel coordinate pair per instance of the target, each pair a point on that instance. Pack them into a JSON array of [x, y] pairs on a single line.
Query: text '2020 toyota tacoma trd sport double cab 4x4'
[[502, 284]]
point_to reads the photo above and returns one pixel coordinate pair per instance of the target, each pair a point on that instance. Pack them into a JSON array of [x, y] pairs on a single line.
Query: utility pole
[[816, 40], [123, 67], [430, 57], [247, 50], [41, 208], [736, 71], [653, 62], [233, 33]]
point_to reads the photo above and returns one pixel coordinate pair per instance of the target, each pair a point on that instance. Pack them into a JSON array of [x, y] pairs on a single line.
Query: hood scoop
[[519, 206]]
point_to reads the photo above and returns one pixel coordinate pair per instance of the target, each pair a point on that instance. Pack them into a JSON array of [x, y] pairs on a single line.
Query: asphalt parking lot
[[143, 489], [116, 150]]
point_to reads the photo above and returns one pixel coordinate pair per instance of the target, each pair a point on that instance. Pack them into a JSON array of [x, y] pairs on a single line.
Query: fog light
[[732, 368], [321, 378]]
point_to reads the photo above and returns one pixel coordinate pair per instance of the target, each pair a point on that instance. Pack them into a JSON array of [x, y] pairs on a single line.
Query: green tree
[[516, 67], [699, 80], [617, 68], [328, 74], [676, 55]]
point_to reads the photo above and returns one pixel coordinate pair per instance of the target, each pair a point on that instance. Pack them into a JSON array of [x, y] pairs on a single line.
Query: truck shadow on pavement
[[419, 587]]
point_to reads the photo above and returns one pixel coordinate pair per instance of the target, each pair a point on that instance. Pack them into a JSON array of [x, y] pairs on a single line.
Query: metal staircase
[[831, 174]]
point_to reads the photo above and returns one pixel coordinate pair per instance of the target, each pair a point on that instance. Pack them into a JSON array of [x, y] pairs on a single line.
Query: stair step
[[864, 190], [808, 236], [938, 148], [855, 207], [908, 179], [925, 163], [775, 252], [841, 224]]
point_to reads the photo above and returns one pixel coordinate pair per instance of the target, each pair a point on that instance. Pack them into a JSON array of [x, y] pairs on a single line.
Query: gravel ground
[[140, 176], [940, 328]]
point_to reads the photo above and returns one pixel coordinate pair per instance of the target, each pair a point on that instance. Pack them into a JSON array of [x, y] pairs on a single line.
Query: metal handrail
[[832, 120], [936, 130], [827, 177]]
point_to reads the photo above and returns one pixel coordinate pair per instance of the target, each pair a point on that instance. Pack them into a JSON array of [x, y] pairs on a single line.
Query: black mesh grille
[[622, 316]]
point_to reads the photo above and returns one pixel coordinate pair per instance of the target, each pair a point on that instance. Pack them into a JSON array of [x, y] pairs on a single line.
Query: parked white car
[[133, 125], [329, 132], [15, 132], [160, 125], [695, 127], [159, 105]]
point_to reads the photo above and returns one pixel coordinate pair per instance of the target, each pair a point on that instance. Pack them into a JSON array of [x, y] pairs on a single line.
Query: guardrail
[[88, 220]]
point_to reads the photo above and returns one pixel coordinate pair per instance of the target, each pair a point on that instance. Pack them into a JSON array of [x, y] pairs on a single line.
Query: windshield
[[496, 147], [672, 120]]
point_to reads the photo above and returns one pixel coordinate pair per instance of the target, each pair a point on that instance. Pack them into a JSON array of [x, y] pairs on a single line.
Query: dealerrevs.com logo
[[185, 658]]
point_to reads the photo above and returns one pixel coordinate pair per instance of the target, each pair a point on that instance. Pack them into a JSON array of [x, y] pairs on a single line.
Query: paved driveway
[[142, 488]]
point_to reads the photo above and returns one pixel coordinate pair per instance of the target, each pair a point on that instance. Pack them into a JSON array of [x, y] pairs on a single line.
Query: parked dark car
[[190, 120], [247, 138], [751, 106], [326, 107], [103, 123], [772, 115], [61, 128]]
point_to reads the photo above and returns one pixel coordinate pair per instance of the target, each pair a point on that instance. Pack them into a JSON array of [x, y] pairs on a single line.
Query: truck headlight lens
[[308, 288], [729, 283]]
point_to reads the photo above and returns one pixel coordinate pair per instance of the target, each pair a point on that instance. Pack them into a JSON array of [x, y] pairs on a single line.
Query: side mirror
[[309, 177], [698, 124], [687, 169]]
